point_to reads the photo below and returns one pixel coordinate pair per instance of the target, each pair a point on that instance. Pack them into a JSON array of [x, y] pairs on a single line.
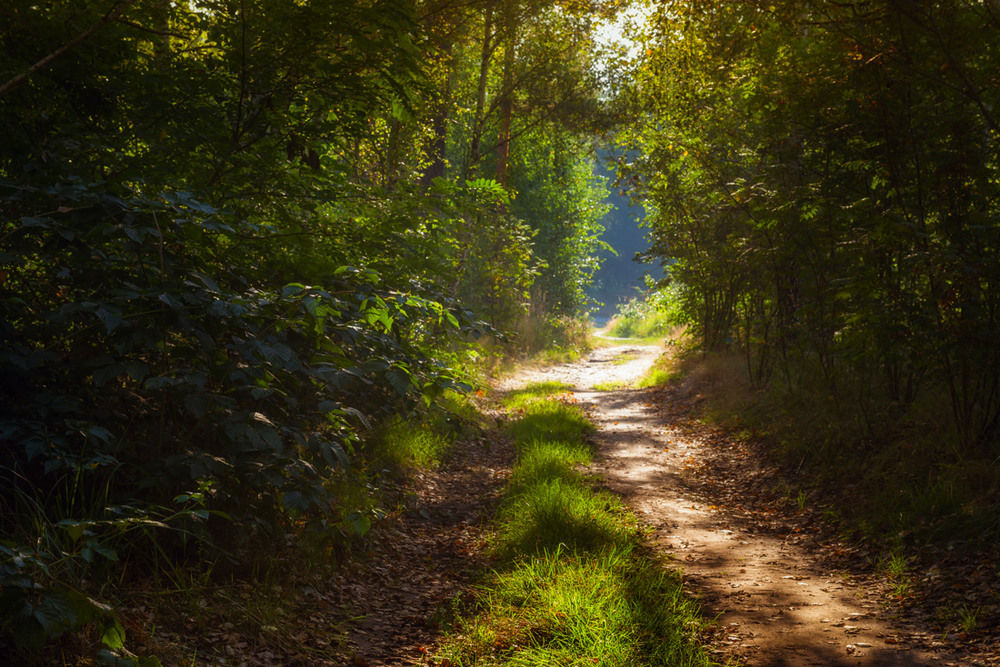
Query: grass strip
[[574, 584]]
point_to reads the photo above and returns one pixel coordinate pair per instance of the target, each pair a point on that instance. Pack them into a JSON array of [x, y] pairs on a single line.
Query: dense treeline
[[237, 234], [823, 179]]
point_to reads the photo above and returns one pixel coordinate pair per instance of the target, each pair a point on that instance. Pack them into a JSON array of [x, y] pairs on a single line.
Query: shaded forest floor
[[781, 582]]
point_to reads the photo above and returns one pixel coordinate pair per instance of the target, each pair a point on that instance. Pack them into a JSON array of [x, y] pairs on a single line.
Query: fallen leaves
[[955, 598]]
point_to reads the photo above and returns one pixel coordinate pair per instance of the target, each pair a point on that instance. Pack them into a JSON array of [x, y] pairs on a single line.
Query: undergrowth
[[892, 471], [404, 443], [166, 603], [573, 584], [648, 318]]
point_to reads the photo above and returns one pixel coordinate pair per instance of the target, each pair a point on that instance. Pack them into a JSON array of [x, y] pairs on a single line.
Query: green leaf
[[106, 551], [296, 501], [73, 528], [99, 433], [136, 370], [400, 380], [61, 610], [360, 524], [196, 404], [111, 316], [35, 222], [34, 446]]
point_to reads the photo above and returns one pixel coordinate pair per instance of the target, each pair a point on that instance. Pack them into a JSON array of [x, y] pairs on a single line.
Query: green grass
[[551, 356], [611, 386], [406, 445], [624, 358], [660, 373], [573, 585], [654, 339], [519, 398], [896, 567], [656, 377], [549, 420], [425, 441]]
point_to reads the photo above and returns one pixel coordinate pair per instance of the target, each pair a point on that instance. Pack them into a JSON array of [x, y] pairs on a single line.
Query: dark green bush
[[146, 383]]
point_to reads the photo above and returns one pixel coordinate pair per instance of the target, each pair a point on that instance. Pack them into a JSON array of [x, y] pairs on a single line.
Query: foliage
[[661, 372], [408, 443], [639, 318], [821, 180], [528, 69], [563, 201], [231, 249], [550, 419], [149, 373]]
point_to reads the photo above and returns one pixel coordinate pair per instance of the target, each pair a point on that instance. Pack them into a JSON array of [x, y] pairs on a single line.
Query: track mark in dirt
[[778, 595]]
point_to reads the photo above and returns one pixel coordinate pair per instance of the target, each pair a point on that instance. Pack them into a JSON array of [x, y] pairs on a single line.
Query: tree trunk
[[484, 70], [507, 99]]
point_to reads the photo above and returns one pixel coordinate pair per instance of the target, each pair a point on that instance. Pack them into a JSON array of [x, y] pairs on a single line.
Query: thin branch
[[161, 33], [112, 14]]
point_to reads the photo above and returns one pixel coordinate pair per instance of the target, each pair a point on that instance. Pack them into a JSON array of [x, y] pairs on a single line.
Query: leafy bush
[[651, 316], [141, 370]]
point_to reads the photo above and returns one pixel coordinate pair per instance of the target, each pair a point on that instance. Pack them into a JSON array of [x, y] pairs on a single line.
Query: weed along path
[[765, 570]]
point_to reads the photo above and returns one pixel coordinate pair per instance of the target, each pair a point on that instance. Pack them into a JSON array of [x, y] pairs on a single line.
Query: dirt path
[[772, 578]]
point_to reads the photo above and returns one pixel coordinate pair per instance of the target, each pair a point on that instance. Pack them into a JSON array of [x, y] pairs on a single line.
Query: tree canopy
[[237, 237], [822, 178], [239, 234]]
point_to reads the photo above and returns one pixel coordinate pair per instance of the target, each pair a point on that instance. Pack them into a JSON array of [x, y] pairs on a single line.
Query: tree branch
[[118, 8], [161, 33]]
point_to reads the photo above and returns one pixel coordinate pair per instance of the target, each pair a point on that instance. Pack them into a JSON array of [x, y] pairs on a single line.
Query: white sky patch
[[624, 30]]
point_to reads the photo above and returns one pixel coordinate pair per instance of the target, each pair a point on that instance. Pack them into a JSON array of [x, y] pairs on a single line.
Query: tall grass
[[405, 443], [573, 584]]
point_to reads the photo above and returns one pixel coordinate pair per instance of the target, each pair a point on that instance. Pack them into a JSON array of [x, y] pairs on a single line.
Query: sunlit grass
[[663, 371], [657, 377], [646, 324], [549, 420], [540, 462], [573, 585], [624, 358], [557, 355], [556, 512], [611, 386], [404, 445], [635, 340], [561, 608], [522, 397]]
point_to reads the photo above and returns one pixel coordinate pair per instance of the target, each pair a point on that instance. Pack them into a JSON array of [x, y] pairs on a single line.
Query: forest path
[[770, 576]]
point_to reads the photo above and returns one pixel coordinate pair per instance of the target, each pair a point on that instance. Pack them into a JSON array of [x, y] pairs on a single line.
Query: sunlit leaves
[[821, 176]]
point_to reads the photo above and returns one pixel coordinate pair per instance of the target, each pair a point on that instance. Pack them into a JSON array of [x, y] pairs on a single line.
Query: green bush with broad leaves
[[150, 391]]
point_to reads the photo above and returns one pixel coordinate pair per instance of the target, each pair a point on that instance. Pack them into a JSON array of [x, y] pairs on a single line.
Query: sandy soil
[[777, 591]]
